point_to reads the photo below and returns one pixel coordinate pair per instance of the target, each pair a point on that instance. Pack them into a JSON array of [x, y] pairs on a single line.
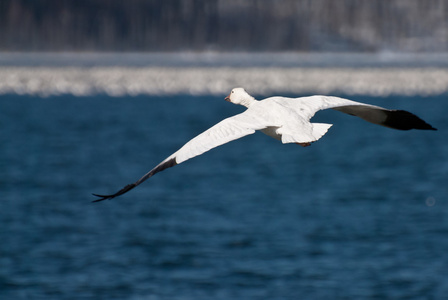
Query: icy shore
[[120, 81]]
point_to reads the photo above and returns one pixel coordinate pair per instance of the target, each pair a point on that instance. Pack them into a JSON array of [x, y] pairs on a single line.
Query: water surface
[[360, 214]]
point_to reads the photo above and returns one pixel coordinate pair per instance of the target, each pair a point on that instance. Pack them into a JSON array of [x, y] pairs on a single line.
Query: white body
[[285, 119]]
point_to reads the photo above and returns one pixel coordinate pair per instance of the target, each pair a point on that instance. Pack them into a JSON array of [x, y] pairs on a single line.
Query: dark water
[[361, 214]]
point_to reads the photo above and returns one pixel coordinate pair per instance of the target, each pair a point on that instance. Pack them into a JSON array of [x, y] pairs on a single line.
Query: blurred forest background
[[224, 25]]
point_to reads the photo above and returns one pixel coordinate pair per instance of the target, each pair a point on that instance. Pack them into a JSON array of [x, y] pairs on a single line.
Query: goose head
[[240, 96]]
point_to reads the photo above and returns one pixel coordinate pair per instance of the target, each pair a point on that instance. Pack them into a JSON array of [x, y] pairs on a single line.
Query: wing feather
[[397, 119], [225, 131]]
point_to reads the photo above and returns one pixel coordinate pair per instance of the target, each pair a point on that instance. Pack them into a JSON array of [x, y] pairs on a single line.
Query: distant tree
[[244, 25]]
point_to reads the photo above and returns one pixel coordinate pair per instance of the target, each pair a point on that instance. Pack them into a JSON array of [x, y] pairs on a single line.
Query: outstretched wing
[[225, 131], [397, 119]]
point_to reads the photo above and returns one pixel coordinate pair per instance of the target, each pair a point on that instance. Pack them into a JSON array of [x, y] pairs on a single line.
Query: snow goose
[[285, 119]]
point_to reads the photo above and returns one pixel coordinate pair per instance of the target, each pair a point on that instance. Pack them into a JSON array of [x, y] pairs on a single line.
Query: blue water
[[360, 214]]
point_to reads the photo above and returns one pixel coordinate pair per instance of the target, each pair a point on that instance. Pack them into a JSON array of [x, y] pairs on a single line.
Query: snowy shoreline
[[133, 81]]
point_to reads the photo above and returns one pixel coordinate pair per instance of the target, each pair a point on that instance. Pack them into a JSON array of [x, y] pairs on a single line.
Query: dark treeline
[[224, 25]]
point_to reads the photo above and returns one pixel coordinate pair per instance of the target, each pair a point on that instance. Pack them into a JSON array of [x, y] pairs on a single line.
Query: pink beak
[[227, 98]]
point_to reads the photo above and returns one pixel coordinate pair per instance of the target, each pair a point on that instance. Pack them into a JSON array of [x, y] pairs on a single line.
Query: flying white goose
[[285, 119]]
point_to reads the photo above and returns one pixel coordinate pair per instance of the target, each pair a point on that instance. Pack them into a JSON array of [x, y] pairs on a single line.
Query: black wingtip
[[168, 163], [103, 197], [420, 124], [404, 120], [120, 192]]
